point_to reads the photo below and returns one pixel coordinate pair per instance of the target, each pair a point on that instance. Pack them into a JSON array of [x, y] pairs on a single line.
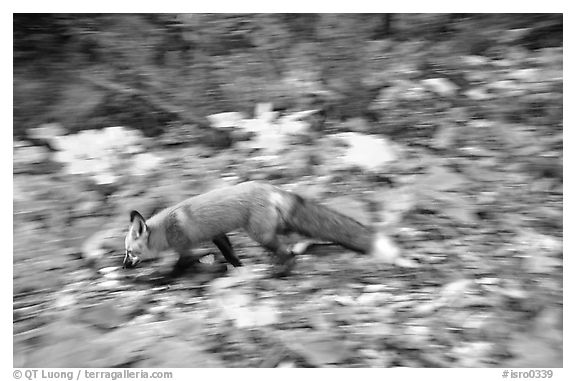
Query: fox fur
[[263, 211]]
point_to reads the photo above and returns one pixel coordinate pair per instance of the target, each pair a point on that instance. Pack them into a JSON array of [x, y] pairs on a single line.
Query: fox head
[[137, 241]]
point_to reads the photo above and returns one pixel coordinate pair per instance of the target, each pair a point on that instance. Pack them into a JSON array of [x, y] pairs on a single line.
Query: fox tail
[[314, 220]]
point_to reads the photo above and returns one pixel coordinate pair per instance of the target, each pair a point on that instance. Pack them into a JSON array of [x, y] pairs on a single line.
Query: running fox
[[263, 211]]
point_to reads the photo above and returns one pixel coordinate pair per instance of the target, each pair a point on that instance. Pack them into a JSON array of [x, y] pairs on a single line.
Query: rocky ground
[[487, 289], [472, 194]]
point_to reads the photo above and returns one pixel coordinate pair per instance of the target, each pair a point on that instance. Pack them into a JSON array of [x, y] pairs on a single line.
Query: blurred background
[[443, 129]]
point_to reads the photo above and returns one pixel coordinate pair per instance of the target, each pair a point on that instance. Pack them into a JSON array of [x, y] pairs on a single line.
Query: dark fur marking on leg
[[223, 244], [180, 243]]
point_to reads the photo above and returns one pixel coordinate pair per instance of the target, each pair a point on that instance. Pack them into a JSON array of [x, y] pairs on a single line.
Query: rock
[[105, 315], [61, 347], [473, 355], [109, 270], [473, 60], [32, 159], [441, 86], [375, 359], [65, 301], [237, 276], [142, 319], [526, 75], [111, 285], [81, 275], [158, 309], [375, 288], [369, 152], [373, 298], [456, 289], [317, 348], [478, 94], [114, 349], [425, 308], [226, 119], [258, 316], [345, 300], [244, 312], [68, 354], [177, 354], [356, 124], [30, 155], [184, 327], [440, 179], [88, 207], [47, 131]]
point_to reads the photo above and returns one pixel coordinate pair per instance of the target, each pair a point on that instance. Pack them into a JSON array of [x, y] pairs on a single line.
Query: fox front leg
[[283, 258], [179, 241], [223, 243]]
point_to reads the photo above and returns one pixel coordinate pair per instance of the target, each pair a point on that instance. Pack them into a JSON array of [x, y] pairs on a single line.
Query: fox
[[265, 212]]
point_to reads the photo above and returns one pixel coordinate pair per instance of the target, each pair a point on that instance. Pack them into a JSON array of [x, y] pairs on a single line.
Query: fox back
[[223, 210]]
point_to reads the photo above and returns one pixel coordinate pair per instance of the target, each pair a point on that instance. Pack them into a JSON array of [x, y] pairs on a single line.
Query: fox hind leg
[[266, 235], [283, 258], [223, 244]]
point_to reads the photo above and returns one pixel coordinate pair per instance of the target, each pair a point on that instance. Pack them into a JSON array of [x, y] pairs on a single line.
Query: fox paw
[[284, 266]]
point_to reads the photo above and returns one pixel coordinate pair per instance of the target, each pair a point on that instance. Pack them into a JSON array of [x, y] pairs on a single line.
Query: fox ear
[[137, 223]]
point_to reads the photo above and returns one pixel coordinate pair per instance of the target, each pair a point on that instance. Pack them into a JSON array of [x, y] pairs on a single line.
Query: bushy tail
[[317, 221]]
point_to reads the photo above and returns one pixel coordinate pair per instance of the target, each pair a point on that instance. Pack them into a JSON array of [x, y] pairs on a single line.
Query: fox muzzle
[[130, 260]]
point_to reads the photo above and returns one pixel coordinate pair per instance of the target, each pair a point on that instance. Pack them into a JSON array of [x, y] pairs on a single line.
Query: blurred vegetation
[[468, 180], [149, 71]]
